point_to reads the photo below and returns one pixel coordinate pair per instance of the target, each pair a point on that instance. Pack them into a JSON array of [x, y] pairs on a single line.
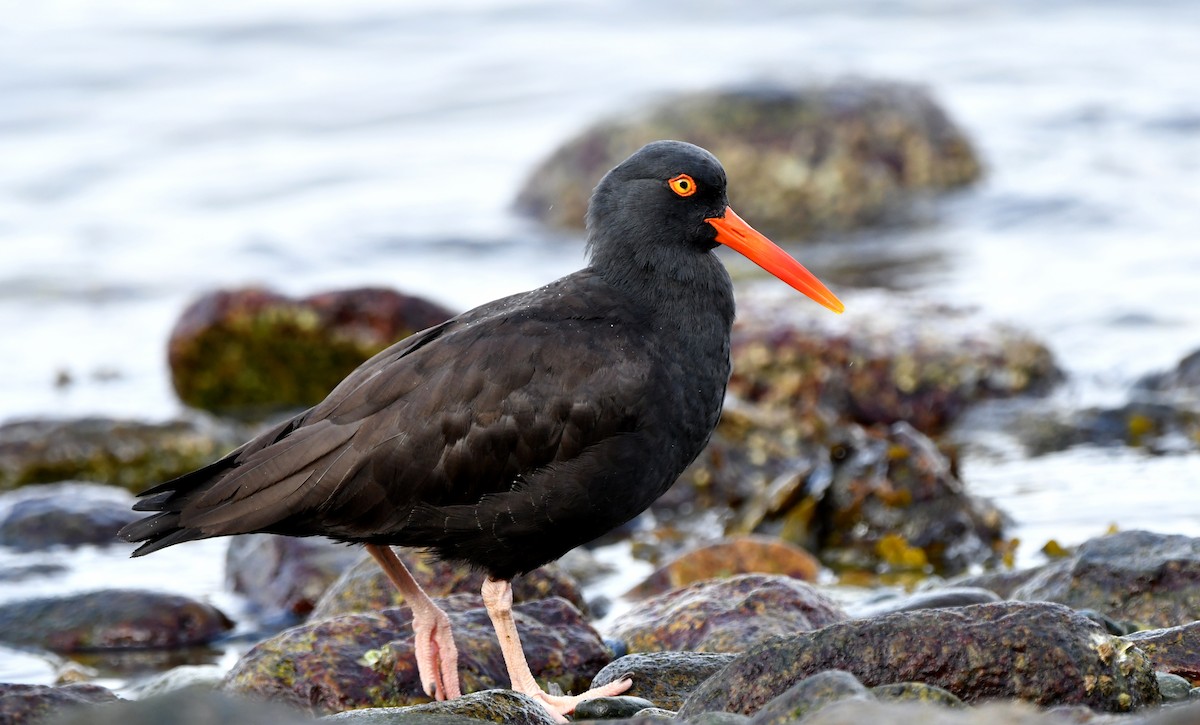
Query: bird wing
[[469, 409]]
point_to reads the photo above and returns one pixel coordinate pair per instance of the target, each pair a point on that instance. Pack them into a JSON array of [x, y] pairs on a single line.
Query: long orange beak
[[734, 232]]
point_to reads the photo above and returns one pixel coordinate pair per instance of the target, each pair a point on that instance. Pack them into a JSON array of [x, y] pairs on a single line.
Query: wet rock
[[916, 692], [367, 659], [736, 555], [800, 161], [198, 677], [126, 453], [853, 712], [1157, 427], [664, 678], [21, 704], [1173, 688], [882, 501], [498, 706], [284, 576], [364, 587], [1149, 578], [887, 359], [63, 514], [249, 352], [1040, 652], [21, 572], [611, 708], [184, 707], [932, 599], [1175, 649], [810, 695], [725, 615], [1003, 582], [110, 619]]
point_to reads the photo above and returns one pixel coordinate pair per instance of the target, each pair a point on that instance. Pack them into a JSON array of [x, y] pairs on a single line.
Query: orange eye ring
[[683, 185]]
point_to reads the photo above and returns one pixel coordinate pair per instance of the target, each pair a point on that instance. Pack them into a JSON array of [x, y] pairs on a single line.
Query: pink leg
[[437, 657], [497, 597]]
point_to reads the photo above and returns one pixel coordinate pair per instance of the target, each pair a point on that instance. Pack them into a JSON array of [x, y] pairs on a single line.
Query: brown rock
[[725, 615], [252, 351], [723, 559], [110, 619], [284, 576], [21, 704], [1175, 649]]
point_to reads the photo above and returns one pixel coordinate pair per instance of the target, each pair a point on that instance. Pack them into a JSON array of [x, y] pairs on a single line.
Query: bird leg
[[437, 657], [498, 598]]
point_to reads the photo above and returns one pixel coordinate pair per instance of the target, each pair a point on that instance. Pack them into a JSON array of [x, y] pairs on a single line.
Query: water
[[151, 153]]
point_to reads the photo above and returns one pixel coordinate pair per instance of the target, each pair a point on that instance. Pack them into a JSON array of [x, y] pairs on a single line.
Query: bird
[[518, 430]]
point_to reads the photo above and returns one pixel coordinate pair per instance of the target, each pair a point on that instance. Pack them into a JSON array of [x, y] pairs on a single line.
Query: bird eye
[[683, 185]]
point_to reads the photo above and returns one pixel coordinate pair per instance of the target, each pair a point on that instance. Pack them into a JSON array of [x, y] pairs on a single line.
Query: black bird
[[518, 430]]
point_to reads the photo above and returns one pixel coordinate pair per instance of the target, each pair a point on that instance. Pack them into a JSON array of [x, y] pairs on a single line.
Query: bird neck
[[685, 289]]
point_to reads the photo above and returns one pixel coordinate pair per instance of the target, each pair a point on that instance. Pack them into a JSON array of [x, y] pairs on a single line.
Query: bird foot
[[437, 656], [559, 706]]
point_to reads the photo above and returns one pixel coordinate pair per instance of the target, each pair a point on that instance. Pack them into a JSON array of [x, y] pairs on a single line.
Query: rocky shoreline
[[836, 463]]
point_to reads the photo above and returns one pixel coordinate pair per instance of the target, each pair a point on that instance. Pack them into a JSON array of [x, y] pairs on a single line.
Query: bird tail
[[167, 500]]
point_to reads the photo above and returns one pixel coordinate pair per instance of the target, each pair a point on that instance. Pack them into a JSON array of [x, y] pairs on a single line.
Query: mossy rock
[[251, 352], [799, 160], [126, 453]]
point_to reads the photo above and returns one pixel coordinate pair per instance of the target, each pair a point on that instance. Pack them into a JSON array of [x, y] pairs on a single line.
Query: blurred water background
[[152, 152]]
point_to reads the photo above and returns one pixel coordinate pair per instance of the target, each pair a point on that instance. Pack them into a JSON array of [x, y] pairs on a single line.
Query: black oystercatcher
[[520, 429]]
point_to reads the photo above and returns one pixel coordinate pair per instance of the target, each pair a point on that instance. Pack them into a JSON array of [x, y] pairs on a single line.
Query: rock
[[1149, 578], [854, 711], [1003, 582], [1175, 650], [888, 359], [499, 706], [125, 453], [736, 555], [931, 599], [881, 501], [1036, 651], [664, 678], [611, 708], [184, 707], [367, 659], [800, 161], [249, 352], [284, 576], [110, 619], [809, 695], [364, 587], [725, 615], [21, 704], [1158, 427], [198, 677], [1173, 688], [63, 514], [916, 692]]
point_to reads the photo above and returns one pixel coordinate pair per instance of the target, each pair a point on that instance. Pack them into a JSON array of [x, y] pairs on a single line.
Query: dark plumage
[[525, 427]]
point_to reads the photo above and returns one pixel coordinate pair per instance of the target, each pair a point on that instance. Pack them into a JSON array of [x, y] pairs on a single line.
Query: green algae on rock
[[126, 453], [1041, 652], [367, 659], [800, 160], [251, 352]]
